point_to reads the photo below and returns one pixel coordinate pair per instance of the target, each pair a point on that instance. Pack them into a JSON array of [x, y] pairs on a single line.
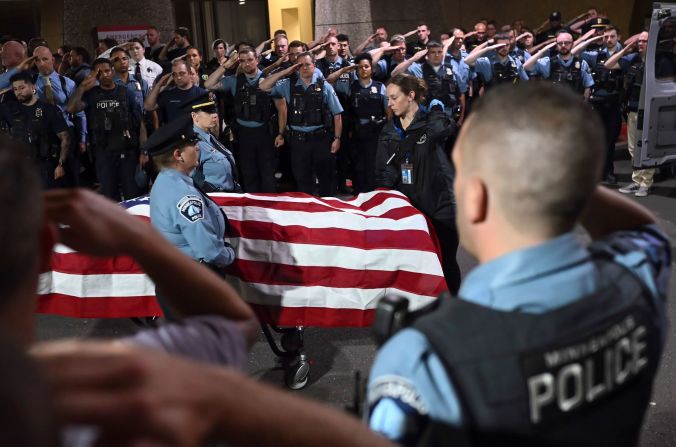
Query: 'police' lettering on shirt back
[[574, 376]]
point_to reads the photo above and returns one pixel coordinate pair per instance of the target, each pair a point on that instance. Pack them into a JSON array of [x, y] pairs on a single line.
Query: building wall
[[296, 15], [80, 18]]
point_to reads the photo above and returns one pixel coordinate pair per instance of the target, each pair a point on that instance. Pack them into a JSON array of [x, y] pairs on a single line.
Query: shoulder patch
[[422, 140], [191, 207], [396, 388]]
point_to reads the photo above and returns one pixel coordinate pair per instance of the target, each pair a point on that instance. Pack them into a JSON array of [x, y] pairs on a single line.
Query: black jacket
[[431, 190]]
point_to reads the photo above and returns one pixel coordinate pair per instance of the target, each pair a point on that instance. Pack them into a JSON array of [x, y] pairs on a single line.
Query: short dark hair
[[501, 36], [192, 47], [343, 38], [82, 52], [65, 48], [102, 60], [298, 43], [109, 42], [153, 27], [306, 54], [117, 50], [22, 76], [182, 31], [137, 40], [363, 57], [278, 32], [433, 44]]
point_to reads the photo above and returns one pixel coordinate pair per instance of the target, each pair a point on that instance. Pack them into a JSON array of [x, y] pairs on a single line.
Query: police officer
[[194, 57], [605, 98], [396, 55], [313, 114], [172, 90], [366, 115], [503, 68], [56, 89], [217, 171], [423, 32], [79, 65], [550, 341], [120, 59], [254, 116], [564, 68], [442, 82], [116, 129], [40, 125], [180, 210]]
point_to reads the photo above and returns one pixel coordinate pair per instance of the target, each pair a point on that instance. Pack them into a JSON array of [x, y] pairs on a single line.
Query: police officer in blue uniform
[[254, 114], [120, 59], [180, 210], [366, 114], [41, 126], [606, 94], [313, 114], [117, 130], [502, 68], [564, 68], [550, 341], [217, 171]]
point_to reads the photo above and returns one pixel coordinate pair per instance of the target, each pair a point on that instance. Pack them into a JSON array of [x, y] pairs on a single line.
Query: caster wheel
[[297, 376], [291, 341]]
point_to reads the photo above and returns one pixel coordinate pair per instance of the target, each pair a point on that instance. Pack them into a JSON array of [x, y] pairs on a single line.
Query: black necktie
[[137, 72], [223, 150]]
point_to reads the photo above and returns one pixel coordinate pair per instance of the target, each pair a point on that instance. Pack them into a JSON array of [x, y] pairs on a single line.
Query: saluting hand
[[90, 81], [417, 56]]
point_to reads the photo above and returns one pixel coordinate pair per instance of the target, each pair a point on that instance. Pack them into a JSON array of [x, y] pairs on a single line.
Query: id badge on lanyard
[[407, 171]]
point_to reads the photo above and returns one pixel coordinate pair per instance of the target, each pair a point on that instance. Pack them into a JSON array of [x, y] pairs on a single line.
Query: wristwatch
[[336, 137]]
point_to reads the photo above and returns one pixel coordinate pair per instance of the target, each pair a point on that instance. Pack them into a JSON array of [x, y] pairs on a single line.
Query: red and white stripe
[[301, 260]]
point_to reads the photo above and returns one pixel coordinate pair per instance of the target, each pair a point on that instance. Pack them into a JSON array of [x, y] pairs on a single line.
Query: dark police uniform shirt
[[169, 101], [49, 115], [109, 100], [405, 388]]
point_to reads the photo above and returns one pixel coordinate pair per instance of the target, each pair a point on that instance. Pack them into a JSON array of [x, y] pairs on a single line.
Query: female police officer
[[217, 171], [182, 212], [411, 159]]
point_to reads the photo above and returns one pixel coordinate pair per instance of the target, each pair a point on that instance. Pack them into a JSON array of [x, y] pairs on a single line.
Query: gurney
[[300, 261]]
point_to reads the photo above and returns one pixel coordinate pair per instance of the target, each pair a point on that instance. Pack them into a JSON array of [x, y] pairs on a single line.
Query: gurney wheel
[[297, 375]]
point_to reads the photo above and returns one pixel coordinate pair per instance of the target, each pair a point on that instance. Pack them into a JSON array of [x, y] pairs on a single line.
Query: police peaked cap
[[170, 136], [600, 22], [202, 103]]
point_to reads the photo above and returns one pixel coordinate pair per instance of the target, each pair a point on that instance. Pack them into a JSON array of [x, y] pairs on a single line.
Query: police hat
[[202, 103], [171, 135], [600, 22]]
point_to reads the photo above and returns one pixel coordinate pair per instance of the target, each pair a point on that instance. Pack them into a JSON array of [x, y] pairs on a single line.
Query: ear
[[411, 95], [178, 155], [48, 238], [476, 201]]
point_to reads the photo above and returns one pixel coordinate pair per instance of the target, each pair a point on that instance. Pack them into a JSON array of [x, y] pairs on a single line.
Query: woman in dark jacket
[[411, 159]]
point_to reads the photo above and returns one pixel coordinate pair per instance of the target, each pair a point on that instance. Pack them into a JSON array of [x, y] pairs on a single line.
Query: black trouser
[[257, 158], [311, 156], [116, 170], [448, 240], [344, 168], [364, 145], [609, 112]]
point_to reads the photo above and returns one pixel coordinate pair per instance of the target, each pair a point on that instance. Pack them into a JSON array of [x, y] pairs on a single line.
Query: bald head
[[44, 61], [537, 149], [12, 54]]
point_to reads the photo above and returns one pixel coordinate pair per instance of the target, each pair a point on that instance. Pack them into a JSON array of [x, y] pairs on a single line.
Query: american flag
[[301, 260]]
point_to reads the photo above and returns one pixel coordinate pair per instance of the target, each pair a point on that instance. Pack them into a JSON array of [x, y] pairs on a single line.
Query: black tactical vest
[[580, 375], [504, 73], [571, 75], [251, 103], [32, 131], [366, 103], [326, 68], [112, 127], [307, 107], [633, 79], [605, 79], [444, 87]]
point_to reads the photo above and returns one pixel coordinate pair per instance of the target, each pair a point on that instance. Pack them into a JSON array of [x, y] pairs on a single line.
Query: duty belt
[[302, 136]]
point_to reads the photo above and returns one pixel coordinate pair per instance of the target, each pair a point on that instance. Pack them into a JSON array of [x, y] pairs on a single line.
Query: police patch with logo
[[191, 207], [396, 388], [422, 140]]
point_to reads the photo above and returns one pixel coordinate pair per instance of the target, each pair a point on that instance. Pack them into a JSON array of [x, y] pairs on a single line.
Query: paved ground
[[336, 354]]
